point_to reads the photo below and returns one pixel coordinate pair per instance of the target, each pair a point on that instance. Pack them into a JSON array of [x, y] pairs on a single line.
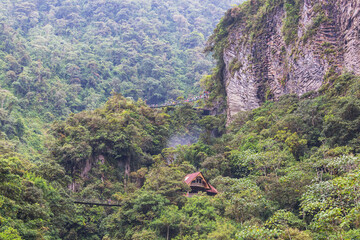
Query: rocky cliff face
[[327, 40]]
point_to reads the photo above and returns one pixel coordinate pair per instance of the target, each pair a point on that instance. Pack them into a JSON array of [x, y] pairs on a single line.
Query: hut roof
[[192, 176], [212, 189], [188, 178]]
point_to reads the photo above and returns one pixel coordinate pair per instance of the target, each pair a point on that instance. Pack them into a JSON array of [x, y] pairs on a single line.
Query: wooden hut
[[198, 183]]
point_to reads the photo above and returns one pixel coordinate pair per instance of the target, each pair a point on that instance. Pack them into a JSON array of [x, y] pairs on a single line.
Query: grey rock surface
[[268, 68]]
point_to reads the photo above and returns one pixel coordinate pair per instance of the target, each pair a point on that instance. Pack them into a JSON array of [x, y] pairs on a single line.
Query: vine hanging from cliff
[[291, 20]]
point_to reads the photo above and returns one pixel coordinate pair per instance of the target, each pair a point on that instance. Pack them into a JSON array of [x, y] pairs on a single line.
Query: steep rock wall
[[265, 67]]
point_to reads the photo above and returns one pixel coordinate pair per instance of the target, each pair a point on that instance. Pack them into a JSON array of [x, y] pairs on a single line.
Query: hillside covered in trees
[[62, 57], [281, 170], [289, 169]]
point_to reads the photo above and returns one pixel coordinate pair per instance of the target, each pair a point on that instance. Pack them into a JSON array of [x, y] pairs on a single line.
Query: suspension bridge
[[108, 204], [180, 102]]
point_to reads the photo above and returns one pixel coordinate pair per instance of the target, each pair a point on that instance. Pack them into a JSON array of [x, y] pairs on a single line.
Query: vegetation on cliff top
[[252, 17]]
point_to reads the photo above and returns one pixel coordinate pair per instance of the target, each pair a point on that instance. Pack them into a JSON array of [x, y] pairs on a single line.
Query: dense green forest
[[75, 127], [282, 170], [62, 57]]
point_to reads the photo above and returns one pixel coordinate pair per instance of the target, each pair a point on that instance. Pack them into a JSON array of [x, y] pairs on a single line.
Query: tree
[[170, 218], [168, 181], [241, 199]]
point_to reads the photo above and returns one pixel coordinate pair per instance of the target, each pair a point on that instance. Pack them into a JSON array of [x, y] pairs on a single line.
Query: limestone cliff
[[288, 47]]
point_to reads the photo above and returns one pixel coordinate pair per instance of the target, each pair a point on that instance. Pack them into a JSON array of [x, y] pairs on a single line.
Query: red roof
[[212, 189], [190, 177]]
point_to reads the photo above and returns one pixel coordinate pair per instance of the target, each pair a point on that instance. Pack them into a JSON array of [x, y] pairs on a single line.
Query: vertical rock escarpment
[[287, 48]]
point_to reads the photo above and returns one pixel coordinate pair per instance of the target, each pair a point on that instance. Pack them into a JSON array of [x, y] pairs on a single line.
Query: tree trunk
[[127, 171], [167, 234]]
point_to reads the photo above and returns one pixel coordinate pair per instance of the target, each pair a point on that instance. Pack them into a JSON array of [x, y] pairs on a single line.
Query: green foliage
[[314, 26], [234, 66], [280, 171], [10, 234], [292, 140], [329, 203], [283, 219], [71, 55], [137, 211], [213, 126], [145, 235], [224, 231], [291, 20], [122, 132], [64, 57], [168, 181], [30, 207], [184, 125], [255, 232], [242, 199], [287, 170], [216, 44], [298, 152]]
